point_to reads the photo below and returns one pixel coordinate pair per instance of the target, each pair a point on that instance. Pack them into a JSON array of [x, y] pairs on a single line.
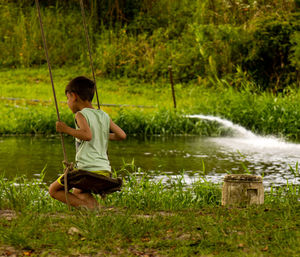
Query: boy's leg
[[87, 197], [57, 191]]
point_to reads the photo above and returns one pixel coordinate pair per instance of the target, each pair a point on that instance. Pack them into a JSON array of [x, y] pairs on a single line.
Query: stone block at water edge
[[242, 189]]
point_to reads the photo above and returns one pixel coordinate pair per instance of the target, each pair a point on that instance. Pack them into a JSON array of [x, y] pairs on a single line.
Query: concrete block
[[242, 189]]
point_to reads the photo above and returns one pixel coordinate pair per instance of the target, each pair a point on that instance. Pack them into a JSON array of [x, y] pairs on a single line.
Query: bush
[[204, 40], [295, 54], [148, 56], [269, 60], [221, 47]]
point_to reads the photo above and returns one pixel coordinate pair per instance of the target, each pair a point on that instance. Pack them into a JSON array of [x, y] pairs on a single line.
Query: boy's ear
[[74, 96]]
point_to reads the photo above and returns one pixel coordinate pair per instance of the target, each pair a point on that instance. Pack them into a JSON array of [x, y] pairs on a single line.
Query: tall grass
[[21, 194], [39, 119], [22, 119], [140, 192], [201, 39], [22, 33], [290, 190], [262, 113]]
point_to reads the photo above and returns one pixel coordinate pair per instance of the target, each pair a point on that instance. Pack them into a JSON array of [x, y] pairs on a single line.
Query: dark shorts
[[99, 182]]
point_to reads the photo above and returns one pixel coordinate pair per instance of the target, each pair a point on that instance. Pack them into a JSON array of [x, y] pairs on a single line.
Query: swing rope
[[68, 166], [89, 49]]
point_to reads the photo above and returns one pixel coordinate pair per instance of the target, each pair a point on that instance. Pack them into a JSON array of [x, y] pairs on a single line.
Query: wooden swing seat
[[92, 182]]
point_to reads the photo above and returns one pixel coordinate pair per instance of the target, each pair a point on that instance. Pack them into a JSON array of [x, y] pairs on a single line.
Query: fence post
[[172, 85]]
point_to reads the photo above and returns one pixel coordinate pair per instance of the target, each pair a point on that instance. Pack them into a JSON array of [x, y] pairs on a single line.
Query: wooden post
[[242, 189], [172, 85]]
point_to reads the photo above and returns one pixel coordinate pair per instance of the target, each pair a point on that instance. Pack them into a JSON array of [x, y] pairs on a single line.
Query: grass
[[41, 120], [24, 116], [210, 231], [140, 192], [148, 218], [35, 84], [263, 113]]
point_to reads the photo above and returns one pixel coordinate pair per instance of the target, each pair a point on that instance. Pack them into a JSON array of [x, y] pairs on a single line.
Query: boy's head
[[83, 87]]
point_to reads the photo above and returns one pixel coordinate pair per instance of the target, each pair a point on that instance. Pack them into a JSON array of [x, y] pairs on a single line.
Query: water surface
[[191, 155]]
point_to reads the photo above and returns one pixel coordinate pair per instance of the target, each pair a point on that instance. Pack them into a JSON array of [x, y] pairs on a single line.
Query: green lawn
[[148, 219], [35, 84], [261, 112], [218, 231]]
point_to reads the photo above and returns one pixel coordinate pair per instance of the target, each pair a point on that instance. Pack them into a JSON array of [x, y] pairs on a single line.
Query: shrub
[[295, 54], [269, 51], [221, 48]]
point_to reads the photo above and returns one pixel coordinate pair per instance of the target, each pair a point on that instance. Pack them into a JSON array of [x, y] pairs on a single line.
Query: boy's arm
[[83, 133], [117, 132]]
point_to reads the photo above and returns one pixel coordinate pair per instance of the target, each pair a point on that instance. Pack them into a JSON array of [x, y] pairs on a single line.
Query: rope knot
[[68, 165]]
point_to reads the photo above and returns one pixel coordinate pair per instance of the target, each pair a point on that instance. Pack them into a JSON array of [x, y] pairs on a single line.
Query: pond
[[163, 157]]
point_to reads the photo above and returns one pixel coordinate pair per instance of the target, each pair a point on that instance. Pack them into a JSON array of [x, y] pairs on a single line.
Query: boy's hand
[[117, 132], [61, 127]]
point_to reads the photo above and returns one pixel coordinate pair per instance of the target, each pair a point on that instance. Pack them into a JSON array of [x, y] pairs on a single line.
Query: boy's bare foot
[[89, 207]]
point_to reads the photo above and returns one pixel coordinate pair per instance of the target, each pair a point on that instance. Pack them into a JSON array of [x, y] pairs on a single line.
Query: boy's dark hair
[[83, 87]]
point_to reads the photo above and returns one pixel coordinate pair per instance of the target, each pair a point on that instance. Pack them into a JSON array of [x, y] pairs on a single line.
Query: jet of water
[[246, 137], [239, 130]]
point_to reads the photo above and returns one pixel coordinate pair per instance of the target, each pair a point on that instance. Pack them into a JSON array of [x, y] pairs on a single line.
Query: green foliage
[[221, 48], [203, 40], [144, 56], [22, 35], [269, 51], [262, 113], [295, 52]]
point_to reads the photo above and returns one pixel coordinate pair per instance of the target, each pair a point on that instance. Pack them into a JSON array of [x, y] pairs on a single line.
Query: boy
[[93, 130]]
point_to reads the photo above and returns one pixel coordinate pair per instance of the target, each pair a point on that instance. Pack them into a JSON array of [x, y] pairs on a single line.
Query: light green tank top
[[92, 155]]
